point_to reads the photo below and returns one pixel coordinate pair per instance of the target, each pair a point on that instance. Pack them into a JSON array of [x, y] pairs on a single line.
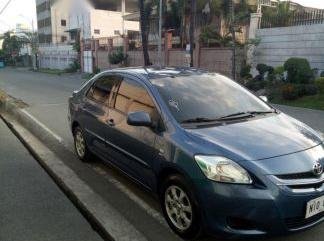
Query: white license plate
[[314, 207]]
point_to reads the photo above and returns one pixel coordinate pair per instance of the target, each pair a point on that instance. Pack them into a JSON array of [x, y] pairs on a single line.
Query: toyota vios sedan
[[220, 159]]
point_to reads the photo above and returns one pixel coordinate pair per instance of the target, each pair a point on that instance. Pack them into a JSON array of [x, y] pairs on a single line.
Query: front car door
[[136, 144]]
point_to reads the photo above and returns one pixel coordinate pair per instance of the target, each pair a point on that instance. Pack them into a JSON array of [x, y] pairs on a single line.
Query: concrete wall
[[279, 44], [56, 56]]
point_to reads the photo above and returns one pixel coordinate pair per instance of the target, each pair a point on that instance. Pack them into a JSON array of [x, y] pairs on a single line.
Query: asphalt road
[[47, 97], [32, 207]]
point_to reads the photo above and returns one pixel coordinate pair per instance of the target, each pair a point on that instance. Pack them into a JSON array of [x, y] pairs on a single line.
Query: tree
[[192, 30], [145, 7], [11, 47]]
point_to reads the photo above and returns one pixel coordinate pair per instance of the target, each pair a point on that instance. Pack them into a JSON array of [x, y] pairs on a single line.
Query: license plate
[[314, 207]]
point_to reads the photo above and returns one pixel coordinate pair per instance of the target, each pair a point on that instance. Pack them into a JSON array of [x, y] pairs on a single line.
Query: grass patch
[[310, 102]]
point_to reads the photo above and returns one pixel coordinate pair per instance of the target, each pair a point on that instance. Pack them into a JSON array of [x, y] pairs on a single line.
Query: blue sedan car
[[220, 159]]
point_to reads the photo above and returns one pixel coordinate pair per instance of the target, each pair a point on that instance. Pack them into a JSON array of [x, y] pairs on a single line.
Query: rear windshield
[[206, 96]]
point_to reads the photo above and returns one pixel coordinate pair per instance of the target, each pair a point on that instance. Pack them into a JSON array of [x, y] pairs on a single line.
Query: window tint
[[132, 97], [101, 89]]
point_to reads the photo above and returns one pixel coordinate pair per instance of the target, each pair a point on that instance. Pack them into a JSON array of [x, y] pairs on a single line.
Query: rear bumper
[[240, 210]]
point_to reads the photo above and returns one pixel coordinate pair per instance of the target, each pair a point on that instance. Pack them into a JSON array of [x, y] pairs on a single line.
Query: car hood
[[256, 139]]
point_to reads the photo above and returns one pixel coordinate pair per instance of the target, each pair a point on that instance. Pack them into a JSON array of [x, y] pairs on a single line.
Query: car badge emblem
[[318, 169]]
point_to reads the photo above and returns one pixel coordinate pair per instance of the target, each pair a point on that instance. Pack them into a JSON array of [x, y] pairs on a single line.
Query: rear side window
[[133, 97], [101, 89]]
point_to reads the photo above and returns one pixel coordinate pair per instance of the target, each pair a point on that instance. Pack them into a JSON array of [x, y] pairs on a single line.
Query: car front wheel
[[179, 208]]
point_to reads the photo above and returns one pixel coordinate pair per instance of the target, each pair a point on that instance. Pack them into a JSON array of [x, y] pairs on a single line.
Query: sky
[[18, 11], [24, 11]]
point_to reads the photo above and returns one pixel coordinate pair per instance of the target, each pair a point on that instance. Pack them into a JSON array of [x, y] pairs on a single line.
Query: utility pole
[[232, 10], [123, 16], [160, 35]]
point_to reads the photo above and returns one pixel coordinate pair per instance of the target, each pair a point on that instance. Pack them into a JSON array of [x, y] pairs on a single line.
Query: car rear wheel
[[180, 208], [80, 145]]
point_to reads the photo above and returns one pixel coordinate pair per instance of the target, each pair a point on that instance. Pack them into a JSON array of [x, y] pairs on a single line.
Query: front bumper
[[241, 210]]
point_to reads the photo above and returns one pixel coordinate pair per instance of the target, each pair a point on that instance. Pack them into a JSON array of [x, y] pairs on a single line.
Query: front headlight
[[221, 169]]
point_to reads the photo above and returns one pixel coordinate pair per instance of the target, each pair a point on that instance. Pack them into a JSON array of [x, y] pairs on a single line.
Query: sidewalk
[[32, 207]]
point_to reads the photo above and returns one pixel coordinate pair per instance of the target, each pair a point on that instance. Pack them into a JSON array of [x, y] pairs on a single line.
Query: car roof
[[152, 72]]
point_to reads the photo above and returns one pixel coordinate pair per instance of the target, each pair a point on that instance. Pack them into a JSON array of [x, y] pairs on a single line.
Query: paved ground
[[32, 207], [314, 118], [47, 98]]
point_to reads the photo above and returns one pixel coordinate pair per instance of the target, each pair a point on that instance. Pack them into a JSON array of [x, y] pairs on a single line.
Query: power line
[[5, 6]]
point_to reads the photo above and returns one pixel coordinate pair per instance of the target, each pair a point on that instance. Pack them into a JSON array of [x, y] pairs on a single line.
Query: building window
[[117, 32], [63, 22], [63, 39], [97, 31]]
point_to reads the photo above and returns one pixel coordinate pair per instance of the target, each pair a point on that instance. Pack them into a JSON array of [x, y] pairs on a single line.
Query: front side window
[[101, 89], [209, 96], [132, 97]]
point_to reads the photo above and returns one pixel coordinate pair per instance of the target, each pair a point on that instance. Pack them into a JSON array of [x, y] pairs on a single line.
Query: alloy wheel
[[178, 208], [80, 144]]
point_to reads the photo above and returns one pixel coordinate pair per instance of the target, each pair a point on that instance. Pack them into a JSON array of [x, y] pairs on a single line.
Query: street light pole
[[160, 36]]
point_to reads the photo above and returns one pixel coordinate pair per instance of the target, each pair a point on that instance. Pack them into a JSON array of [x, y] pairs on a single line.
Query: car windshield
[[204, 97]]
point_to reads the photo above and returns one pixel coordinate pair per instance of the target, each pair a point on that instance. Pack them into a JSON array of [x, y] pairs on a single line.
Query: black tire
[[86, 156], [194, 230]]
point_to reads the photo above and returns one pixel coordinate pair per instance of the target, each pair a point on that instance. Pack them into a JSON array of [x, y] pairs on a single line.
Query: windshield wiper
[[198, 120], [237, 115], [260, 112]]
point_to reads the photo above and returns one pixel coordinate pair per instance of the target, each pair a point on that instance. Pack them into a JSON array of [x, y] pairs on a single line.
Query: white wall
[[279, 44], [56, 56], [60, 11], [108, 22]]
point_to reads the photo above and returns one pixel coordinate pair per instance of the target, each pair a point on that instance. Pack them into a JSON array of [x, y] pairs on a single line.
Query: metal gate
[[88, 62]]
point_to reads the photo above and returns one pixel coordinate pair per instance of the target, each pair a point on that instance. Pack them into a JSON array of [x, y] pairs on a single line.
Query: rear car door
[[95, 113], [136, 144]]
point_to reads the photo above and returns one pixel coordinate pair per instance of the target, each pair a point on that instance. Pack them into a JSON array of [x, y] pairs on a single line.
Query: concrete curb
[[109, 223]]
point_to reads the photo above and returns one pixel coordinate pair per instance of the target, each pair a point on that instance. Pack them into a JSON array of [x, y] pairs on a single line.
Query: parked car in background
[[220, 159]]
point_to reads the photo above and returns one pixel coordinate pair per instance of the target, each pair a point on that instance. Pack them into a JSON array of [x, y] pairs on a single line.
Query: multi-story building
[[44, 20], [60, 20]]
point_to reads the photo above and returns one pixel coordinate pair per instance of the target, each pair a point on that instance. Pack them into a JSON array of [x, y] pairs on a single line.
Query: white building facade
[[71, 20]]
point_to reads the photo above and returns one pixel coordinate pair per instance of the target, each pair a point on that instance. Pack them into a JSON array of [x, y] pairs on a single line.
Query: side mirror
[[264, 98], [139, 119]]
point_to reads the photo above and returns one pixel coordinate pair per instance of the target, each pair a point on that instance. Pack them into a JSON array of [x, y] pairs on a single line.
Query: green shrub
[[289, 92], [262, 68], [74, 67], [311, 90], [118, 56], [279, 73], [246, 72], [320, 84], [299, 71], [255, 85]]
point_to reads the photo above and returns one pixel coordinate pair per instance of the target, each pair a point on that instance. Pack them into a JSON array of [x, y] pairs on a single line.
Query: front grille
[[301, 222], [303, 175]]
